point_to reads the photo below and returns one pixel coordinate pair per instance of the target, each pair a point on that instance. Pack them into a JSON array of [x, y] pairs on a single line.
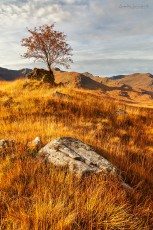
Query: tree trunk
[[52, 79]]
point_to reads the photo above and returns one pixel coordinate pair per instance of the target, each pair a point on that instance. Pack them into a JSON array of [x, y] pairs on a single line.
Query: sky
[[108, 37]]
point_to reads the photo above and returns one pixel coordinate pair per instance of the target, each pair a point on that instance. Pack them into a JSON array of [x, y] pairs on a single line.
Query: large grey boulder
[[79, 157]]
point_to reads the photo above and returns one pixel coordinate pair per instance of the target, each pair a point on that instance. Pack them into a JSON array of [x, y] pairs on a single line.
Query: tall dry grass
[[38, 196]]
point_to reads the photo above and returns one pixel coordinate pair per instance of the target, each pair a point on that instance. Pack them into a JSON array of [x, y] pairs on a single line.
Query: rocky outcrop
[[41, 75], [79, 157]]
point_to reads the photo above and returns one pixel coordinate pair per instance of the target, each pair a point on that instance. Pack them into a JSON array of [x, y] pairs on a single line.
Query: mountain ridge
[[134, 88], [9, 75]]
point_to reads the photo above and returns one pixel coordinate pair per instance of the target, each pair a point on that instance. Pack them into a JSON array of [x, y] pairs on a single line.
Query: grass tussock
[[37, 196]]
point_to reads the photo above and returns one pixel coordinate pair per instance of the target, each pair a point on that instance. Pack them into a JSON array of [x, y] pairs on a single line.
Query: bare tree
[[49, 46]]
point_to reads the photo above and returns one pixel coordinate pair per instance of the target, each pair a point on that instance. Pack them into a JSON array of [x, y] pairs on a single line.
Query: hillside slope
[[78, 80], [136, 89], [36, 195], [132, 89]]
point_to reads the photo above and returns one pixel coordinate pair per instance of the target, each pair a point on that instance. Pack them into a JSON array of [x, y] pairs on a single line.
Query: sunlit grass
[[38, 196]]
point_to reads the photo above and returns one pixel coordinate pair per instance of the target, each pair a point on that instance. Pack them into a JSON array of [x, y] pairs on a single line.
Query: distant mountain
[[9, 75], [132, 88], [136, 80]]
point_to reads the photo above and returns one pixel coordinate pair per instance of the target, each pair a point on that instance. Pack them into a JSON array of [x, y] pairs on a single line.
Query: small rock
[[7, 147], [60, 95], [121, 112], [36, 144]]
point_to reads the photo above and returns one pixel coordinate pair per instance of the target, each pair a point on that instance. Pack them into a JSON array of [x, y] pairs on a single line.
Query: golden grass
[[38, 196]]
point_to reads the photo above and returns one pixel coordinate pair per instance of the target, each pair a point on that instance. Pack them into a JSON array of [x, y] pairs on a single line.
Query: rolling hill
[[132, 89], [136, 89], [136, 80]]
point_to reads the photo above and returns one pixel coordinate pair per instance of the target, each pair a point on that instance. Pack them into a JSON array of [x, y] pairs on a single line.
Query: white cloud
[[96, 30]]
